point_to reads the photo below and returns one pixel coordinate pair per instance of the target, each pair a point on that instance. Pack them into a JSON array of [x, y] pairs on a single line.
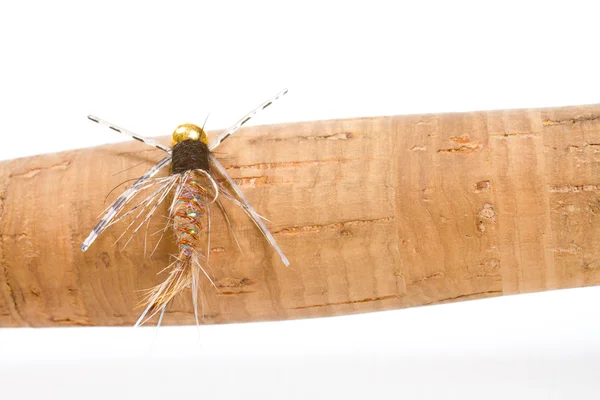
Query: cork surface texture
[[373, 213]]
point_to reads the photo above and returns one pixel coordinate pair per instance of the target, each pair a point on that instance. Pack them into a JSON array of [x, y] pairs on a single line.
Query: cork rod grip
[[373, 214]]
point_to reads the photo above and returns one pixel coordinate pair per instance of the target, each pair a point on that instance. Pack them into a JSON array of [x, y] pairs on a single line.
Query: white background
[[149, 66]]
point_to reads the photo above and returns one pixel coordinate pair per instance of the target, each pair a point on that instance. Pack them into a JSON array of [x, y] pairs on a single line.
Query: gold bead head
[[189, 132]]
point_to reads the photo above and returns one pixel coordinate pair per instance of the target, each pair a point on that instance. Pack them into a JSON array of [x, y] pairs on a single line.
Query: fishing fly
[[197, 182]]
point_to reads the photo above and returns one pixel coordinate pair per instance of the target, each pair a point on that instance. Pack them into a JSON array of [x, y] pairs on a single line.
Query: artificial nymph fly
[[197, 182]]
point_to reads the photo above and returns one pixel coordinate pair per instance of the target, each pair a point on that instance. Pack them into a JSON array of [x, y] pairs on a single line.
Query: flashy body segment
[[197, 180]]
